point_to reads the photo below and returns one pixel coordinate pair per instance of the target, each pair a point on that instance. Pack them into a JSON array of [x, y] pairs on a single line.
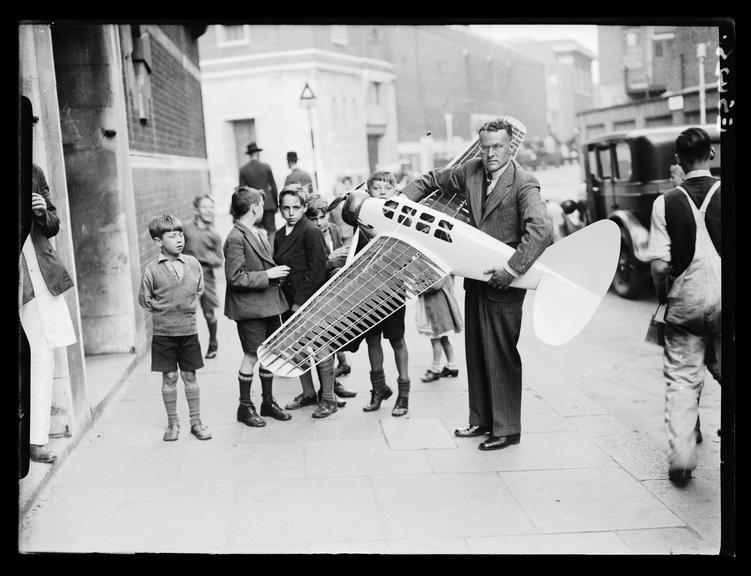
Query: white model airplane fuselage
[[457, 247]]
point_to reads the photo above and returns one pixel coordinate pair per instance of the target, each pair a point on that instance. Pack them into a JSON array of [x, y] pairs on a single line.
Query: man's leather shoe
[[300, 401], [376, 397], [325, 408], [679, 476], [471, 431], [498, 442], [401, 407], [171, 432], [339, 403], [271, 408], [246, 413], [430, 376], [449, 372], [41, 454], [342, 370], [200, 431], [342, 392]]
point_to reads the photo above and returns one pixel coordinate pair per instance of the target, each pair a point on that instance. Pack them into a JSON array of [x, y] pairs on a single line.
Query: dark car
[[624, 173]]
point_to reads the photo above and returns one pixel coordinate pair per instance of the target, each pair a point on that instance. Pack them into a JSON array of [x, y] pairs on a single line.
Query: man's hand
[[277, 272], [38, 204], [339, 256], [295, 307], [500, 279]]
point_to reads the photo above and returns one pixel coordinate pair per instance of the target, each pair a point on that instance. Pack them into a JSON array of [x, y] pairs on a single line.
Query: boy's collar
[[163, 256]]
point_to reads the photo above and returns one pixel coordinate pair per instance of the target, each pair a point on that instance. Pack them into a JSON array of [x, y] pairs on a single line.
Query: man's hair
[[163, 224], [294, 189], [242, 198], [383, 176], [316, 205], [495, 126], [693, 145], [197, 199]]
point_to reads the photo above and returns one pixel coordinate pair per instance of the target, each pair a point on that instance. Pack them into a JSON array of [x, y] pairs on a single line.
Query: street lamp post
[[307, 100], [701, 54]]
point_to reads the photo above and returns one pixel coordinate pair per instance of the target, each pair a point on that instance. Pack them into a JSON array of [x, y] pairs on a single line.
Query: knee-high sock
[[377, 379], [267, 380], [306, 380], [212, 324], [326, 376], [245, 381], [403, 386], [169, 396], [193, 396]]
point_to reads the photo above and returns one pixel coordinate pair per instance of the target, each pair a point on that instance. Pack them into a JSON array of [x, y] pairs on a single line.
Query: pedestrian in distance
[[438, 315], [317, 214], [44, 315], [171, 285], [258, 175], [297, 175], [504, 201], [299, 244], [202, 241], [382, 185], [253, 299], [686, 266]]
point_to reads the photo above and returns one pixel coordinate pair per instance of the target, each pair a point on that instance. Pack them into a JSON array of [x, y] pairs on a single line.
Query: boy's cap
[[292, 156]]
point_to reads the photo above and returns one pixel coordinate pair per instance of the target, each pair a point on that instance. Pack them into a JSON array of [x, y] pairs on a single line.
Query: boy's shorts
[[254, 331], [392, 328], [167, 352]]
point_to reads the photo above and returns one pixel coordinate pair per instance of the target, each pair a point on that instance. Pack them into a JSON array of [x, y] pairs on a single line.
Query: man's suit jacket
[[250, 293], [298, 176], [514, 213], [304, 251], [258, 175], [42, 228]]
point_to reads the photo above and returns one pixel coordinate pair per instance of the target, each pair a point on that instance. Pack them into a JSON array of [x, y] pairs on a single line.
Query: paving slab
[[447, 506], [313, 511], [667, 541], [408, 433], [584, 543], [584, 500], [541, 451], [332, 459]]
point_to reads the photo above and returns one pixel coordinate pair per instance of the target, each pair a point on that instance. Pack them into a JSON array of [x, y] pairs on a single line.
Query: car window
[[605, 171], [592, 162], [623, 160]]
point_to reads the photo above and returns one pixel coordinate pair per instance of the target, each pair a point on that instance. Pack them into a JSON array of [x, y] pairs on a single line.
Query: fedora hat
[[252, 148]]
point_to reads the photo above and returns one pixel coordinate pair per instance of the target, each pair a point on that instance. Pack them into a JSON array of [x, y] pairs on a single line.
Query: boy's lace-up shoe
[[431, 376], [200, 431], [271, 408], [376, 397], [171, 433], [325, 408], [246, 413], [451, 373], [401, 407]]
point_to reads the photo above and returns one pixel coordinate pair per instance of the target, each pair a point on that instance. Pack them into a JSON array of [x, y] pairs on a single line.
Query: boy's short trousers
[[254, 331], [167, 352], [392, 328]]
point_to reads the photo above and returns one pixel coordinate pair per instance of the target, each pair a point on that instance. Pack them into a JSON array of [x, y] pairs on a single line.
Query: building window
[[233, 35], [374, 35], [339, 35], [631, 39], [623, 160], [665, 120], [658, 49], [374, 94]]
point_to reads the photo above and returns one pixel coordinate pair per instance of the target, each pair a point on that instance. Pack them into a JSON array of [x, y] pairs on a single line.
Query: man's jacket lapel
[[501, 190]]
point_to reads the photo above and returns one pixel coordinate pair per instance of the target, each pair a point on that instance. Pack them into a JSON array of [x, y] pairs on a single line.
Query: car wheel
[[631, 275]]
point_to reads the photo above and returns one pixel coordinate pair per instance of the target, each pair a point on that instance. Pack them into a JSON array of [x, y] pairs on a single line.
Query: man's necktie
[[485, 195]]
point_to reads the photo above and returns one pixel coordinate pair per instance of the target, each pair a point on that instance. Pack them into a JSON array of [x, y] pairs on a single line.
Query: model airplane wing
[[374, 286]]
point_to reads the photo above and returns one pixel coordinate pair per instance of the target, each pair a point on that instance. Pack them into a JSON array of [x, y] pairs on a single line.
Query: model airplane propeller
[[417, 244]]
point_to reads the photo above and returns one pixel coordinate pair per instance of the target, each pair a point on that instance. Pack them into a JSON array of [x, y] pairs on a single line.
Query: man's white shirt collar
[[698, 174], [495, 177]]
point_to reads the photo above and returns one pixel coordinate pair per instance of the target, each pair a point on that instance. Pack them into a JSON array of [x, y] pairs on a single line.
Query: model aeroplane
[[414, 246]]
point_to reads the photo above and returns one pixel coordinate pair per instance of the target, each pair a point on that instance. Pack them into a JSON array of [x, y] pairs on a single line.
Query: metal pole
[[313, 147], [701, 52]]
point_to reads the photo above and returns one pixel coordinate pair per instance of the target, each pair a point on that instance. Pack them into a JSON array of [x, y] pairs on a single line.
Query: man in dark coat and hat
[[256, 174]]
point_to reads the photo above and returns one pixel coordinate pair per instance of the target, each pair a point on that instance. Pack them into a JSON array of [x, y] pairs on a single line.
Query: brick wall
[[176, 124]]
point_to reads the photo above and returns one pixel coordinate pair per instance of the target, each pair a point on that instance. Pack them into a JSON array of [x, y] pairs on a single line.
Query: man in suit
[[258, 175], [504, 201], [297, 175], [685, 250]]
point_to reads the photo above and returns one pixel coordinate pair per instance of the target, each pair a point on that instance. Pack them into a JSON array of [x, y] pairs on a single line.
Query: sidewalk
[[578, 483]]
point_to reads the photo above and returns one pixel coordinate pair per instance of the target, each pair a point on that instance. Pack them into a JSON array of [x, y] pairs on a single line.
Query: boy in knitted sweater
[[170, 288]]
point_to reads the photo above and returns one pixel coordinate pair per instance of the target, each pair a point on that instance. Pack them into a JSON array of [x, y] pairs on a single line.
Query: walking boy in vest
[[684, 247], [170, 289]]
